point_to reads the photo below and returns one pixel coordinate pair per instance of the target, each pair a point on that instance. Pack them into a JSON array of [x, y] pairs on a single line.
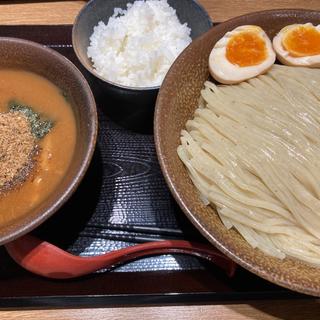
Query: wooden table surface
[[64, 12]]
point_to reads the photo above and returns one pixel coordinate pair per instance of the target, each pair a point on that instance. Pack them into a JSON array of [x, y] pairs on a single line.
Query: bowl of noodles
[[242, 160]]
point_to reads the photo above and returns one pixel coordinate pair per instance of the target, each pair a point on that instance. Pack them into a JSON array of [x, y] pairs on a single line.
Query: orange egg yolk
[[246, 48], [302, 41]]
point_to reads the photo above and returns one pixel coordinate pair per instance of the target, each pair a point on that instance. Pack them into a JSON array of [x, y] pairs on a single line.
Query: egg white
[[284, 56], [222, 70]]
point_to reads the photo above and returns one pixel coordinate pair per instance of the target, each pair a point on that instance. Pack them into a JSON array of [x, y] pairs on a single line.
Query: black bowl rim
[[92, 70], [65, 194]]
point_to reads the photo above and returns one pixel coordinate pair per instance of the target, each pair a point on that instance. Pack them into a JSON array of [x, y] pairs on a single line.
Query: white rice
[[138, 45]]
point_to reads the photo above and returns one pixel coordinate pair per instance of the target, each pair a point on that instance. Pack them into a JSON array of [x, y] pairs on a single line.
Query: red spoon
[[49, 261]]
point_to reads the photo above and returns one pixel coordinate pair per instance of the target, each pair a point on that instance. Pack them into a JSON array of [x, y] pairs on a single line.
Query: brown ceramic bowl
[[176, 103], [30, 56]]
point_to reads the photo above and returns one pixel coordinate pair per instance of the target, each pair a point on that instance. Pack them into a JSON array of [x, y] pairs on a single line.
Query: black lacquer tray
[[123, 200]]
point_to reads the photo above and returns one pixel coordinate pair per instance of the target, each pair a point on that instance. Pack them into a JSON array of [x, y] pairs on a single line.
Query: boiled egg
[[298, 45], [241, 54]]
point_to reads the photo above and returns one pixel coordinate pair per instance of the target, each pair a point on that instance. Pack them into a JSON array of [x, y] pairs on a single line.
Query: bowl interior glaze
[[30, 56], [176, 103]]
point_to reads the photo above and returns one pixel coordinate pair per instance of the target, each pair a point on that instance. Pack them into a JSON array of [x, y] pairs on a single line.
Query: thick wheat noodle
[[281, 211], [304, 216], [223, 200], [266, 246], [298, 104], [253, 152], [228, 187], [256, 100], [218, 176], [261, 121], [248, 183], [195, 155], [214, 193], [230, 169], [302, 193]]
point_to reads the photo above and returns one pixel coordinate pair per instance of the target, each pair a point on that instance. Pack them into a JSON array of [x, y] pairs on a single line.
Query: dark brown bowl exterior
[[176, 103], [131, 107], [30, 56]]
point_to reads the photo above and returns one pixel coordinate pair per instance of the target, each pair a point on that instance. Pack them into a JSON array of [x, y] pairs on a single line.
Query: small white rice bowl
[[138, 45]]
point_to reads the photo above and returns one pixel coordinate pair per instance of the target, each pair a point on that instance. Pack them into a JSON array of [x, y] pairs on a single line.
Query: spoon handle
[[47, 260]]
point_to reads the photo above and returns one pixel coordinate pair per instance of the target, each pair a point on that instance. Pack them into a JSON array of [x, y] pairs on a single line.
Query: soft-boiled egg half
[[241, 54], [298, 45]]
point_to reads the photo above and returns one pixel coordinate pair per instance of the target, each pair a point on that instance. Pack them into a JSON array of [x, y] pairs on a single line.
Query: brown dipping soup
[[55, 149]]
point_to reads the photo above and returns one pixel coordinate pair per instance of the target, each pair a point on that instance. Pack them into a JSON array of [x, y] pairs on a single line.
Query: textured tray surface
[[123, 200]]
